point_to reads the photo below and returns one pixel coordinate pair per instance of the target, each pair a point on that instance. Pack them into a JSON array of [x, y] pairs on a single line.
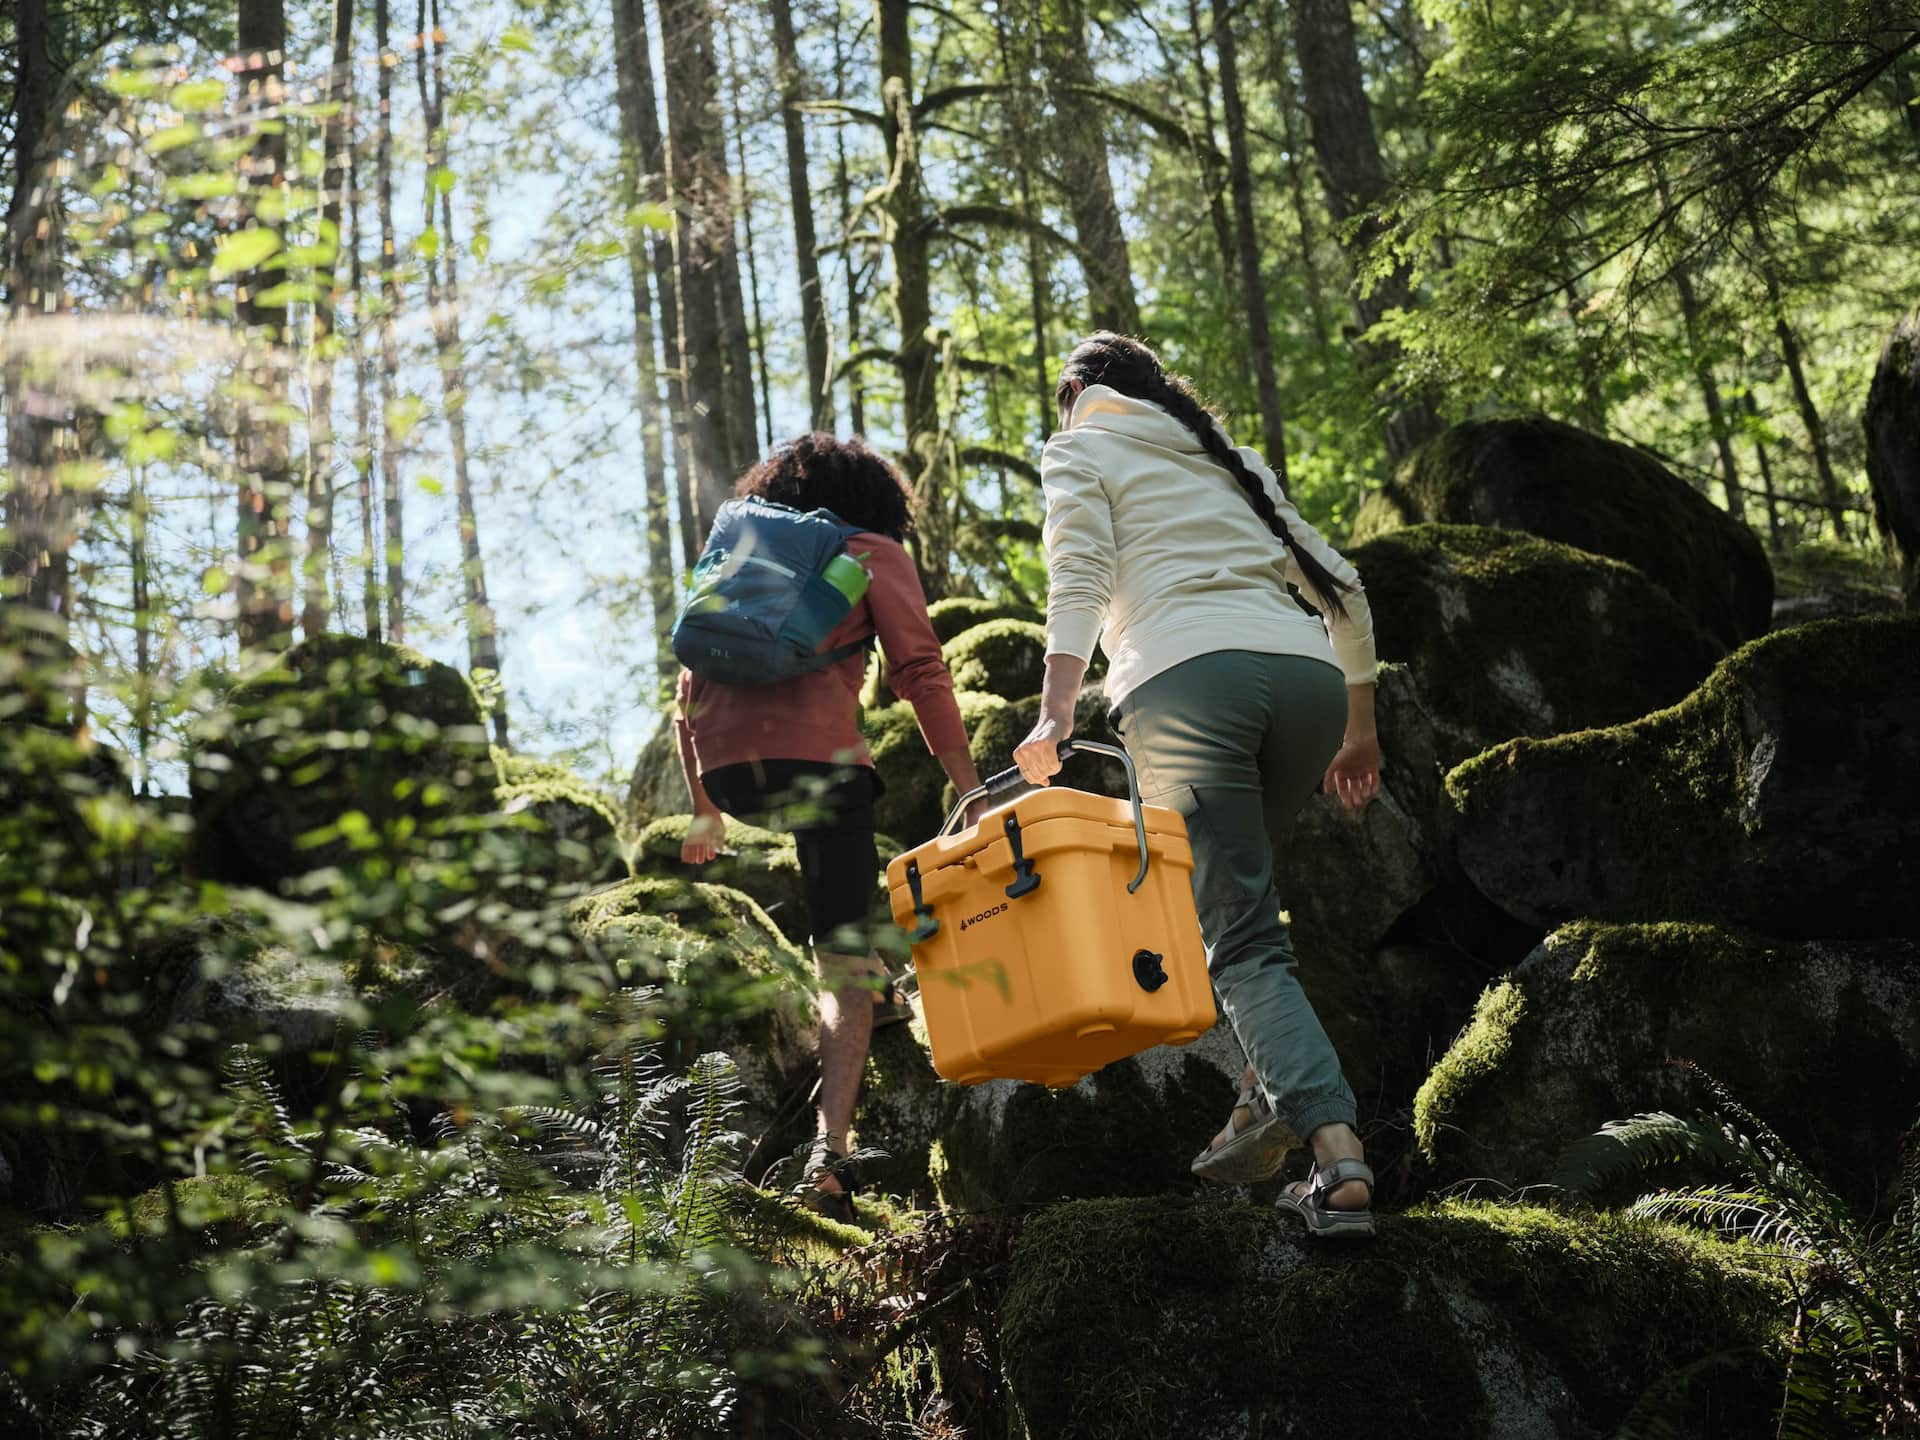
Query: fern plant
[[1853, 1349]]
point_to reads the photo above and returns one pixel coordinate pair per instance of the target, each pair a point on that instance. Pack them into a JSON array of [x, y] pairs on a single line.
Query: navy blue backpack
[[768, 589]]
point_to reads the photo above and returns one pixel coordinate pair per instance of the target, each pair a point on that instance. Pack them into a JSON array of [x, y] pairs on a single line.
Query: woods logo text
[[983, 915]]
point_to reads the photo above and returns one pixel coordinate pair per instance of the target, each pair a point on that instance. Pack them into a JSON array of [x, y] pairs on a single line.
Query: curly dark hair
[[823, 472]]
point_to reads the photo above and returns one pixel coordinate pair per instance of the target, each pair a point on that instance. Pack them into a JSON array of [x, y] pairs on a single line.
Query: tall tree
[[1349, 153], [443, 306], [1210, 176], [362, 398], [633, 52], [1079, 142], [1273, 431], [393, 501], [335, 138], [703, 234], [813, 306], [843, 186], [35, 582], [263, 442], [758, 336], [1287, 100], [640, 237], [916, 358]]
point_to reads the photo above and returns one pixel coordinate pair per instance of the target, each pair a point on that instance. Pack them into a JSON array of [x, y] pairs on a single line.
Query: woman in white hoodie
[[1182, 555]]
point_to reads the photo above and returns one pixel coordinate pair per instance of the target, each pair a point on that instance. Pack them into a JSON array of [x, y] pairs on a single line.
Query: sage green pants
[[1236, 742]]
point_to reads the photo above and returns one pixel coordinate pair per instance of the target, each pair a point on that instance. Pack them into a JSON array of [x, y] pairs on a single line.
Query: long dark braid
[[1129, 366]]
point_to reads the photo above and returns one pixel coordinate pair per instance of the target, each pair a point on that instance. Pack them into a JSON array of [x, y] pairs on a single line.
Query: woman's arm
[[708, 826], [1354, 775], [1038, 756]]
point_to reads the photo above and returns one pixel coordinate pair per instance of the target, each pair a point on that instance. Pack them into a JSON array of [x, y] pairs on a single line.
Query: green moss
[[569, 828], [1002, 657], [1561, 483], [1459, 1320], [225, 1208], [1473, 1060], [1832, 568], [910, 806], [1739, 804], [1507, 634], [336, 725], [958, 614], [778, 1229]]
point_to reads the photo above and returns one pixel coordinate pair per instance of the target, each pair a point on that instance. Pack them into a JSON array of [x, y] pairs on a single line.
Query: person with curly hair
[[1181, 555], [790, 755]]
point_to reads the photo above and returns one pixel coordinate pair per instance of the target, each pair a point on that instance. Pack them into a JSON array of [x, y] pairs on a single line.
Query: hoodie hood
[[1101, 407]]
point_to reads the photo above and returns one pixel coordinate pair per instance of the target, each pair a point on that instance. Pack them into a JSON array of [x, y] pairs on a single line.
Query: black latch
[[1149, 969], [1024, 880], [923, 912]]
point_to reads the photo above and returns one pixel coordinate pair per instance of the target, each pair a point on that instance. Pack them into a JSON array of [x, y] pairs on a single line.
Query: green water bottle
[[848, 576]]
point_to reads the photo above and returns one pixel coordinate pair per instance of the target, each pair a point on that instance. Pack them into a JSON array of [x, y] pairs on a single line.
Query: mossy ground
[[1139, 1318], [1507, 634]]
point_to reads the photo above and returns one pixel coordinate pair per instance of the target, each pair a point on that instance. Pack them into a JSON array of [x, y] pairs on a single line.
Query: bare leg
[[846, 1027]]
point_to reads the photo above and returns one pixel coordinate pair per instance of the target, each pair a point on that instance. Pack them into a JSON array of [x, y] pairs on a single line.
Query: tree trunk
[[362, 404], [813, 310], [1253, 288], [856, 390], [632, 43], [334, 139], [703, 217], [1021, 147], [1281, 65], [1775, 542], [263, 443], [1810, 417], [759, 335], [1209, 170], [915, 359], [633, 148], [389, 343], [1343, 140], [1079, 141], [1709, 392], [35, 579], [443, 304]]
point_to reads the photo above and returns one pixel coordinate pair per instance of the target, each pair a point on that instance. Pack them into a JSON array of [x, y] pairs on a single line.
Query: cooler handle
[[1009, 779]]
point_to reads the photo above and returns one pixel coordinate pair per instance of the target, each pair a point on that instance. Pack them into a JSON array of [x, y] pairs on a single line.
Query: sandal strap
[[1330, 1177]]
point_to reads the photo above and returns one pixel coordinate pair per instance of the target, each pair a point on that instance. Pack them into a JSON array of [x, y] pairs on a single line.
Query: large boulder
[[1892, 423], [1137, 1319], [1002, 657], [727, 980], [1507, 634], [1783, 795], [337, 729], [1820, 1038], [1561, 483], [960, 613], [566, 826], [997, 731], [917, 796]]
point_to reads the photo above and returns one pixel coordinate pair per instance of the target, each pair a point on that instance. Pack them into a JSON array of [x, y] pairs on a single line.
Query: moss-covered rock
[[728, 980], [998, 731], [1583, 1031], [1782, 795], [911, 777], [658, 786], [958, 614], [338, 726], [756, 862], [1892, 422], [1003, 657], [1130, 1319], [1561, 483], [568, 826], [1829, 580], [1507, 634]]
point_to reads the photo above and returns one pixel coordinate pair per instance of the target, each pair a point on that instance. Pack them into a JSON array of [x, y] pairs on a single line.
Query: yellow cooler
[[1056, 935]]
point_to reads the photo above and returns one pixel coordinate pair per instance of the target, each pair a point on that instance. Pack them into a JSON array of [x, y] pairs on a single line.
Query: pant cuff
[[1310, 1115]]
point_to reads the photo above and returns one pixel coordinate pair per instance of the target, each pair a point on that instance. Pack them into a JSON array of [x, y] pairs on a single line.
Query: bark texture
[[395, 514], [813, 308], [335, 136], [1079, 142]]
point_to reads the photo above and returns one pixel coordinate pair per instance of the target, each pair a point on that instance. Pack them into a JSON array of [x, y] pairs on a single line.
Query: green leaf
[[215, 581], [404, 416], [133, 84], [243, 250], [517, 37], [428, 245], [430, 485], [442, 179], [184, 133], [198, 95], [481, 244], [288, 292], [204, 186]]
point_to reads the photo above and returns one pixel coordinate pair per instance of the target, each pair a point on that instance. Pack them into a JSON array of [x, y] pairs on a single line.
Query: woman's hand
[[1038, 756], [1354, 774], [704, 834]]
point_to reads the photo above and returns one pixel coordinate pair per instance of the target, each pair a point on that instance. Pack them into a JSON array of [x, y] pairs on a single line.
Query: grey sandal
[[1248, 1155], [1321, 1218]]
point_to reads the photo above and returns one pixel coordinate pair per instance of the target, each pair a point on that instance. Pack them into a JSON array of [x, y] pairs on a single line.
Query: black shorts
[[828, 809]]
